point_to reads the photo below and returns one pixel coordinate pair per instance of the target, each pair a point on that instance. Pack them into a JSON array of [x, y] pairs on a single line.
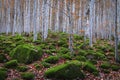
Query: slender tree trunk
[[91, 21], [70, 27], [116, 35]]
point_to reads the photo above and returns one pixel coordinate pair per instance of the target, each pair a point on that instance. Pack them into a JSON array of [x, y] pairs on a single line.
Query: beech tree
[[116, 35]]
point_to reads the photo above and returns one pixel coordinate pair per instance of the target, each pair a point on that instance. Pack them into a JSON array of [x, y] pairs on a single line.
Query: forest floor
[[98, 62]]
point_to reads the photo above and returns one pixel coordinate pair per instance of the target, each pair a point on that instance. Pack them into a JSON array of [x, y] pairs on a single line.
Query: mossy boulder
[[80, 58], [27, 76], [63, 50], [11, 64], [51, 59], [22, 68], [115, 67], [66, 56], [82, 52], [45, 64], [105, 65], [3, 74], [90, 67], [3, 58], [69, 71], [26, 53]]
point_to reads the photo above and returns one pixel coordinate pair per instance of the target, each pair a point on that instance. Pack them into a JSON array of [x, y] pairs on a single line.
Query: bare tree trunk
[[70, 27], [116, 35]]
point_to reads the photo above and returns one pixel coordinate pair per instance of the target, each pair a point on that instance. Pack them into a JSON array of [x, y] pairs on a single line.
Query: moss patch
[[51, 59], [69, 70], [27, 76], [3, 74], [11, 64], [26, 53]]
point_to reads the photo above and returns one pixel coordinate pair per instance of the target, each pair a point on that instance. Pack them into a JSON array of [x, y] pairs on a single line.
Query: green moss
[[77, 37], [3, 58], [115, 67], [42, 46], [93, 61], [62, 42], [99, 55], [105, 65], [48, 51], [69, 71], [80, 58], [53, 50], [106, 71], [11, 64], [45, 64], [66, 56], [90, 67], [3, 74], [22, 68], [64, 50], [51, 59], [82, 52], [26, 53], [27, 76], [51, 47], [37, 66]]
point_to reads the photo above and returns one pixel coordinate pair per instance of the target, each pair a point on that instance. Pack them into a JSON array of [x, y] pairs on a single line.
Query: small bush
[[28, 76], [22, 68], [3, 58], [69, 71], [51, 59], [11, 64]]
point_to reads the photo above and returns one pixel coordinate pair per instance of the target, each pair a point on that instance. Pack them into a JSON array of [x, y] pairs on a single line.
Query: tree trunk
[[116, 35]]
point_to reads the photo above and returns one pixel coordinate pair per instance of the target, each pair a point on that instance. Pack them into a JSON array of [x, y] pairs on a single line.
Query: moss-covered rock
[[63, 42], [80, 58], [77, 37], [3, 74], [105, 65], [90, 67], [69, 71], [3, 58], [45, 64], [115, 67], [11, 64], [66, 56], [22, 68], [51, 59], [82, 52], [26, 53], [27, 76], [63, 50], [37, 66]]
